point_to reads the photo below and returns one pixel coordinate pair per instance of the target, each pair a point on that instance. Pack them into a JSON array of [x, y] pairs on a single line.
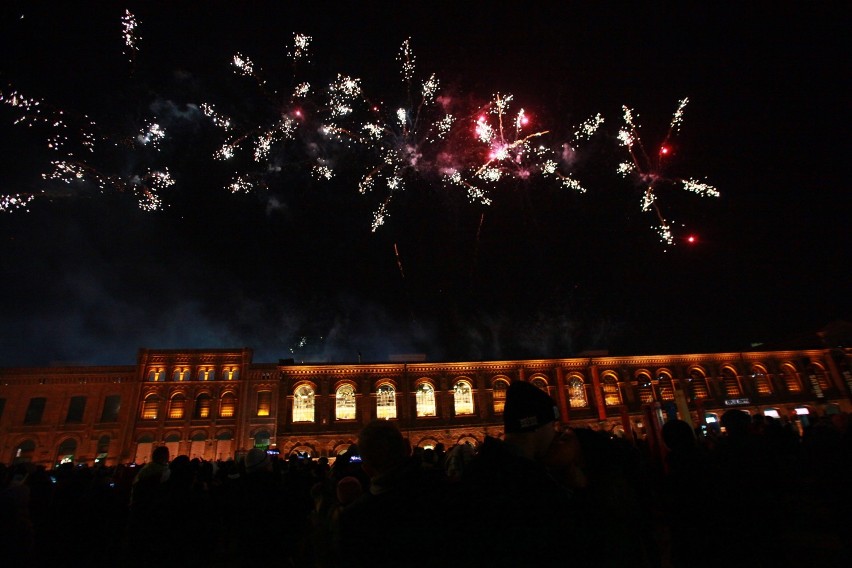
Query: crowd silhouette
[[756, 492]]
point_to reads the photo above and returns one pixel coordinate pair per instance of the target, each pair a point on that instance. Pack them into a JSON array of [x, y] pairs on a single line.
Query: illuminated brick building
[[218, 403]]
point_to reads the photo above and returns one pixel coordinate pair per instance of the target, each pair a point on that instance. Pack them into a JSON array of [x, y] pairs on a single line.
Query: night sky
[[292, 268]]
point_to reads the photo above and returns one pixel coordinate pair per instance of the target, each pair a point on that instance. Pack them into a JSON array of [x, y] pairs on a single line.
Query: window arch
[[206, 374], [577, 392], [539, 383], [151, 407], [463, 397], [66, 451], [344, 407], [180, 374], [817, 371], [425, 399], [761, 380], [227, 405], [612, 395], [24, 452], [155, 375], [177, 406], [646, 391], [264, 403], [666, 386], [202, 406], [498, 394], [303, 404], [698, 384], [102, 449], [791, 378], [385, 402], [732, 384]]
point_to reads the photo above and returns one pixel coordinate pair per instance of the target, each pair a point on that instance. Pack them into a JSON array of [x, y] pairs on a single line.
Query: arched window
[[425, 399], [303, 404], [227, 405], [177, 407], [264, 403], [612, 396], [577, 393], [231, 374], [102, 448], [180, 374], [498, 394], [666, 386], [646, 391], [732, 385], [206, 374], [344, 408], [791, 379], [66, 452], [539, 383], [155, 375], [24, 452], [817, 373], [761, 381], [262, 440], [151, 407], [385, 402], [463, 398], [698, 384], [202, 406]]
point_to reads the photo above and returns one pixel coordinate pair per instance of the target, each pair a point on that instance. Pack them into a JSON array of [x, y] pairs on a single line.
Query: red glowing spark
[[664, 150], [692, 239]]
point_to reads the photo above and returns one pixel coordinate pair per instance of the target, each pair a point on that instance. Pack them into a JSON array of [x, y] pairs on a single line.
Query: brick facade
[[215, 404]]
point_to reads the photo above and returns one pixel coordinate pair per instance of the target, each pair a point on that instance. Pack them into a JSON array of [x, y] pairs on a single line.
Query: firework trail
[[649, 168], [78, 143]]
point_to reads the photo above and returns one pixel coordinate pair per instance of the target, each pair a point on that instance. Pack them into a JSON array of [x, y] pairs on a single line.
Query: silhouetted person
[[508, 510], [385, 525]]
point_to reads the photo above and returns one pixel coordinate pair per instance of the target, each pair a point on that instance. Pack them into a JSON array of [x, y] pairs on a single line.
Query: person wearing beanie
[[507, 500]]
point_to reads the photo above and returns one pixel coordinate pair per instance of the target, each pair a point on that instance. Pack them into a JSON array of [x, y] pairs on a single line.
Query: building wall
[[217, 404]]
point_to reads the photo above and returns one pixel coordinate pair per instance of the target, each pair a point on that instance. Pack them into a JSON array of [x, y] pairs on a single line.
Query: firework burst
[[649, 168]]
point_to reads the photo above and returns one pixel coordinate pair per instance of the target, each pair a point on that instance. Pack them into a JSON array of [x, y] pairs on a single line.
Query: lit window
[[539, 383], [232, 374], [732, 385], [577, 393], [180, 375], [303, 404], [761, 382], [385, 402], [815, 371], [206, 375], [425, 398], [151, 407], [698, 384], [463, 398], [66, 451], [612, 396], [646, 392], [345, 403], [227, 405], [177, 407], [264, 403], [498, 395], [202, 406], [666, 387], [155, 375], [791, 379]]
